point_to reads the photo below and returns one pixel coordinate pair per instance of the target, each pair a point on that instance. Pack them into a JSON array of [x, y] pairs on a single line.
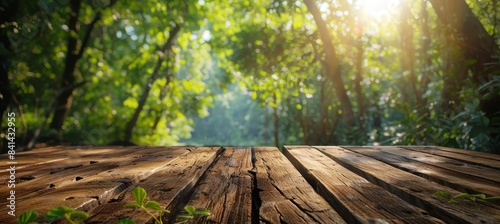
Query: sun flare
[[379, 8]]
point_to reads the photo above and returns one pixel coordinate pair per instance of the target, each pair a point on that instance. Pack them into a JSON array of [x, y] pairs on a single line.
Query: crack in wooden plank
[[226, 189], [286, 195]]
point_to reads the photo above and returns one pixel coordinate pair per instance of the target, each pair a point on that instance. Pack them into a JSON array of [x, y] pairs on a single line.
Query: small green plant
[[149, 207], [28, 217], [192, 212], [73, 217], [139, 194], [465, 196]]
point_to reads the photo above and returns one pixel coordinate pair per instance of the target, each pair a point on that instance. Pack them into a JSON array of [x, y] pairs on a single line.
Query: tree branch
[[91, 26], [86, 38]]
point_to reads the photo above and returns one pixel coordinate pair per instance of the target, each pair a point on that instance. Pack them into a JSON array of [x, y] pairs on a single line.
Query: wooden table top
[[302, 184]]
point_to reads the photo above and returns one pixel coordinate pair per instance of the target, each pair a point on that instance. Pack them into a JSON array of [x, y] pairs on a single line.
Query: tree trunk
[[63, 101], [73, 55], [324, 102], [358, 80], [426, 65], [426, 59], [333, 64], [477, 45], [408, 50], [276, 124], [145, 93], [165, 89]]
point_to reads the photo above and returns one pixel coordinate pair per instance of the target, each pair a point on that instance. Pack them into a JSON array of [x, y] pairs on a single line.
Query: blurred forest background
[[241, 72]]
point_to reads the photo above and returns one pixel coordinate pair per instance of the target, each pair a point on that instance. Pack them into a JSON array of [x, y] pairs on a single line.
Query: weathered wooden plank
[[226, 189], [473, 157], [48, 154], [67, 174], [28, 158], [411, 188], [168, 186], [469, 152], [69, 159], [285, 196], [447, 163], [356, 199], [458, 181], [93, 188]]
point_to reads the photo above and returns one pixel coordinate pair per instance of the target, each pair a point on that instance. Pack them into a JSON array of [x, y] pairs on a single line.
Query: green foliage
[[150, 207], [139, 195], [73, 217], [28, 217], [468, 128], [269, 56], [192, 212], [126, 221], [465, 196]]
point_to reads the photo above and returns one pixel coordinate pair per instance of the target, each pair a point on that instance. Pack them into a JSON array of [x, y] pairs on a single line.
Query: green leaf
[[481, 196], [442, 194], [28, 217], [190, 209], [204, 212], [131, 206], [462, 196], [126, 221], [139, 195], [78, 215], [65, 209], [58, 212], [184, 217], [153, 205]]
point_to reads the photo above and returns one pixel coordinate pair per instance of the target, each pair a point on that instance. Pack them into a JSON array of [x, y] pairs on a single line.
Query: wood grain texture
[[465, 168], [69, 159], [33, 156], [63, 173], [98, 183], [285, 195], [226, 189], [258, 185], [355, 198], [446, 177], [479, 158], [411, 188], [168, 186]]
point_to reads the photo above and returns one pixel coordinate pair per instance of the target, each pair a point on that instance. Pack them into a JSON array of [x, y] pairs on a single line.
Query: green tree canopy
[[239, 72]]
